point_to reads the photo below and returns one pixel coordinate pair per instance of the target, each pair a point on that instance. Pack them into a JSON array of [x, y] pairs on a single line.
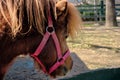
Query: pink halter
[[61, 58]]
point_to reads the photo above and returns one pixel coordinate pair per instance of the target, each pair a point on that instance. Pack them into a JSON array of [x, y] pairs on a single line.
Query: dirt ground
[[93, 48]]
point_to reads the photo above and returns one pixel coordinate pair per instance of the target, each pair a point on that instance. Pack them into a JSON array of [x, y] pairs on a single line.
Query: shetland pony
[[23, 24]]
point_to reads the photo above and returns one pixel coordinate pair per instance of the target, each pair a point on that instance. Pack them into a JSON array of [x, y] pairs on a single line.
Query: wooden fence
[[95, 12]]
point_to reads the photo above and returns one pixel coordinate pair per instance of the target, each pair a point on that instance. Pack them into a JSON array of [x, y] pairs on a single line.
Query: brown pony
[[23, 24]]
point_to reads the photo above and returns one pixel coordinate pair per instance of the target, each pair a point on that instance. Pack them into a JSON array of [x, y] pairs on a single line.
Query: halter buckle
[[50, 29]]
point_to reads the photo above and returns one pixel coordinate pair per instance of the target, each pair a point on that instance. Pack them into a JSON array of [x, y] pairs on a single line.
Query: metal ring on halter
[[50, 29]]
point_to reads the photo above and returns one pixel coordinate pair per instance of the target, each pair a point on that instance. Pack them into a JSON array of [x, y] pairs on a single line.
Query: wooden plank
[[103, 74]]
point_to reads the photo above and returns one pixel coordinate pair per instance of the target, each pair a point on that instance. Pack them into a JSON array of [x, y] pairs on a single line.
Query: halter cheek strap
[[50, 31]]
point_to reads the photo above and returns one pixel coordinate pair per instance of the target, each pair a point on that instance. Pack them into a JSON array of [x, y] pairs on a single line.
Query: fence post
[[101, 9], [95, 11]]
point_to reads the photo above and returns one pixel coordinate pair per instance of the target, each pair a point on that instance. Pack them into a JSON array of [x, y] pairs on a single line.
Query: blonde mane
[[13, 13]]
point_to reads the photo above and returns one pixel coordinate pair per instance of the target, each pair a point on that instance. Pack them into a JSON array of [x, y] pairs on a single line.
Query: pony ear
[[61, 7]]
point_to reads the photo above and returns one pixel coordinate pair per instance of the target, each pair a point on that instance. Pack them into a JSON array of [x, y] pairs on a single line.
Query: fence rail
[[95, 12]]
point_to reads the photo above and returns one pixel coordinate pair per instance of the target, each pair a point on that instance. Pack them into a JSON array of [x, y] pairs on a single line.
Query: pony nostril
[[65, 69]]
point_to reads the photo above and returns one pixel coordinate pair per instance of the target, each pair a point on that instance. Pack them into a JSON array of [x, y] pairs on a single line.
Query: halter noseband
[[50, 31]]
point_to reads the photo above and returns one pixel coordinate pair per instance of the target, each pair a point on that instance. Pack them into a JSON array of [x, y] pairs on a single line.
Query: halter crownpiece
[[50, 31]]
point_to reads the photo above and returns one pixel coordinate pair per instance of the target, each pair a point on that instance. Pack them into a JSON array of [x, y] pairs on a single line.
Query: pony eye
[[59, 12]]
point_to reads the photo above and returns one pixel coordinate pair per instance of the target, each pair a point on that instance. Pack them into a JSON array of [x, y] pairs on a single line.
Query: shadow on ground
[[117, 50]]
